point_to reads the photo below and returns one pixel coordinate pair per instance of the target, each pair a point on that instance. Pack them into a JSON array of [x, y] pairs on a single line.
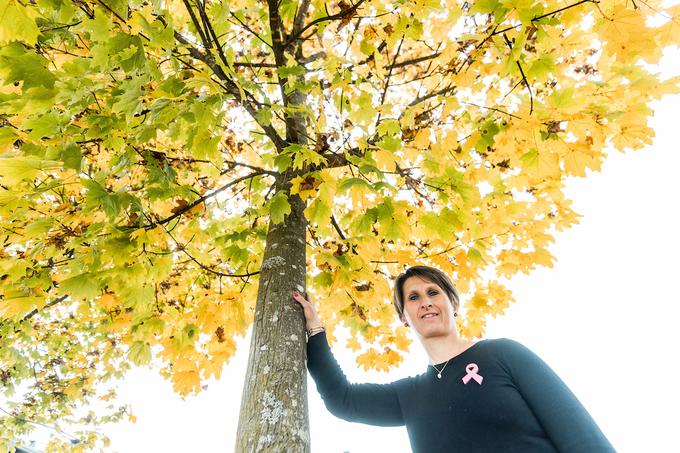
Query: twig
[[524, 77], [200, 200], [250, 30], [337, 227], [48, 305], [183, 249]]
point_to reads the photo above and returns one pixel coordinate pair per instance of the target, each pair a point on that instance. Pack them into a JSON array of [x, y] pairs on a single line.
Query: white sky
[[604, 318]]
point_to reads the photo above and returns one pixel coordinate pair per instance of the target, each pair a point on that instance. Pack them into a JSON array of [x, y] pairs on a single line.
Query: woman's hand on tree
[[311, 316]]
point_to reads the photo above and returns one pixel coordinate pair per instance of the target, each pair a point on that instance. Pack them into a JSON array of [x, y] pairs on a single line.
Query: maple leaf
[[17, 22]]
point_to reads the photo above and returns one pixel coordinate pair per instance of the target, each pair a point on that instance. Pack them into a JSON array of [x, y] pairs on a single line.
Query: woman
[[489, 396]]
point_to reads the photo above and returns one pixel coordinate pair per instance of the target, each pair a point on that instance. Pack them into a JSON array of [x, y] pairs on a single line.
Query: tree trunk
[[274, 416]]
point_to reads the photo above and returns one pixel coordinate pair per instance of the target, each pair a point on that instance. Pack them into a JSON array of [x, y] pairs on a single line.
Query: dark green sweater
[[521, 405]]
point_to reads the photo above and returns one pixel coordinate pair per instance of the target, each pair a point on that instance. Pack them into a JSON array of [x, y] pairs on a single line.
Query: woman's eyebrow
[[413, 291]]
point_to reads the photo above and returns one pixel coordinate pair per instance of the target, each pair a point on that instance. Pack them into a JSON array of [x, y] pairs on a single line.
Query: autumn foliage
[[141, 142]]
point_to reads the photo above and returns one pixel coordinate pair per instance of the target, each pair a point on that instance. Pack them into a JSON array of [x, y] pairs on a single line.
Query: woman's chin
[[433, 331]]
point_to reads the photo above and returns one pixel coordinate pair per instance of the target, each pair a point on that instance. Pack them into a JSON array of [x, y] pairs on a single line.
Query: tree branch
[[337, 227], [300, 15], [417, 60], [182, 248], [425, 97], [252, 167], [341, 15], [245, 64], [203, 199], [387, 80], [197, 25], [543, 16], [278, 33], [48, 305], [494, 109], [251, 31], [211, 31]]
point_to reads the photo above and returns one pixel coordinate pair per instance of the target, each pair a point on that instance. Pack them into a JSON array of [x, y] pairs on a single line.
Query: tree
[[173, 170]]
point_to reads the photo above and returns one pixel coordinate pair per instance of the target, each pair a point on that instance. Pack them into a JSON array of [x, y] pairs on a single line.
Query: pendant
[[439, 376]]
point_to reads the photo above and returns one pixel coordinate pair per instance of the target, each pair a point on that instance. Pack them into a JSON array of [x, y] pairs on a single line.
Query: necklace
[[439, 372]]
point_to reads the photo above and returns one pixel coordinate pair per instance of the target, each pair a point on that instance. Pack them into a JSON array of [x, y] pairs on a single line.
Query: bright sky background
[[604, 318]]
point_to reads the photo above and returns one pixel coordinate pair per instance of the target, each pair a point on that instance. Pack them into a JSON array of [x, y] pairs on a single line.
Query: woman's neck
[[441, 349]]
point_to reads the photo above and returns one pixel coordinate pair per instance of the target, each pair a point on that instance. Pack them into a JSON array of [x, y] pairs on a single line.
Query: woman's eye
[[433, 293]]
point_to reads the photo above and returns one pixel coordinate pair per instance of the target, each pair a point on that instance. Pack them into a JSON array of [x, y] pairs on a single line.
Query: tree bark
[[274, 416]]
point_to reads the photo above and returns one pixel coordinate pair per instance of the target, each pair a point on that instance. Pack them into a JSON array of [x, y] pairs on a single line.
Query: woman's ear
[[402, 318]]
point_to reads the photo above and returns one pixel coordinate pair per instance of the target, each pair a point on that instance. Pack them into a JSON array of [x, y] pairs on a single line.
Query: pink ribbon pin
[[472, 374]]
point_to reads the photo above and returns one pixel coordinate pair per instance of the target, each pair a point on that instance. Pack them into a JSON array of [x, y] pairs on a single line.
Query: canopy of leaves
[[145, 145]]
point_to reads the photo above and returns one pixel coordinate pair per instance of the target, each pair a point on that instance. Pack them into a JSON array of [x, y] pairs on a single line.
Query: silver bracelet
[[315, 330]]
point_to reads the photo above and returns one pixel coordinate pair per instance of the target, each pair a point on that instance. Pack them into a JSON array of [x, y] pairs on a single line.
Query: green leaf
[[285, 72], [39, 227], [444, 223], [15, 169], [364, 110], [489, 7], [278, 207], [364, 223], [140, 353], [318, 212], [128, 98], [354, 182], [530, 158], [367, 47], [97, 196], [71, 156], [7, 136], [562, 98], [392, 229], [542, 67], [264, 116], [83, 286], [187, 337], [46, 125], [390, 143], [18, 64], [323, 279], [205, 146], [475, 256], [283, 161]]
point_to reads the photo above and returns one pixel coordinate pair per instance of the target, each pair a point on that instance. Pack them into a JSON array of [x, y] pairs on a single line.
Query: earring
[[455, 314], [405, 324]]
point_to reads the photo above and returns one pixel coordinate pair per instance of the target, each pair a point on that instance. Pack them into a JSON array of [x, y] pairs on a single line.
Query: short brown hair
[[428, 273]]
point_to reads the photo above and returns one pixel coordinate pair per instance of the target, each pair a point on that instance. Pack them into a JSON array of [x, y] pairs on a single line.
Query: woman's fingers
[[308, 308], [298, 297], [306, 304]]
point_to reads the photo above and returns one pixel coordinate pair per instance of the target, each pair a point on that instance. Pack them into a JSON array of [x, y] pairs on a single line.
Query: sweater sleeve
[[373, 404], [562, 416]]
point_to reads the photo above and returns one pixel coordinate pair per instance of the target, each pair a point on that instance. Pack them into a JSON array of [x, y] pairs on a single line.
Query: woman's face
[[427, 308]]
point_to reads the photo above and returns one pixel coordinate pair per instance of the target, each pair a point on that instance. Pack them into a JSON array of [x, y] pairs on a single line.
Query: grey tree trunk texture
[[274, 416]]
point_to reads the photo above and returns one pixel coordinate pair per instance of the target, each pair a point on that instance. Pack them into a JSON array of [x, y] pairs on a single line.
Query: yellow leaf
[[18, 307], [186, 382], [107, 301], [17, 23]]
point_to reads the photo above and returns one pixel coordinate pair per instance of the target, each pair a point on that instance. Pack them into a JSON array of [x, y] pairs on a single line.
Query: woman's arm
[[374, 404], [559, 412]]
